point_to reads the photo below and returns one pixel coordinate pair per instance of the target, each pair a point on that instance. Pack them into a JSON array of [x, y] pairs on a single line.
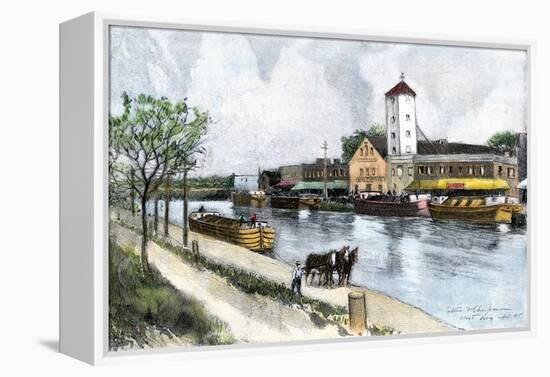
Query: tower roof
[[401, 88]]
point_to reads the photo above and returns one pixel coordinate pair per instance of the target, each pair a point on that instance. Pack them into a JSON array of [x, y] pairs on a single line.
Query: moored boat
[[256, 238], [255, 199], [411, 206], [476, 209], [311, 202]]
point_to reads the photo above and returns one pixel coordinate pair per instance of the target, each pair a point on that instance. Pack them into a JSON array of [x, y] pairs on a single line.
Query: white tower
[[401, 119]]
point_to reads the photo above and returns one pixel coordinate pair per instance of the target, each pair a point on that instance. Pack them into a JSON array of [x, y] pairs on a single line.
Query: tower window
[[371, 150], [393, 135], [361, 172], [408, 133], [408, 148], [407, 117], [393, 119], [393, 150], [407, 99], [361, 151]]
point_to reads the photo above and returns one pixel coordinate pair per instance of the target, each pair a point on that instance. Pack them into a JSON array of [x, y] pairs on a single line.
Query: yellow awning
[[458, 184]]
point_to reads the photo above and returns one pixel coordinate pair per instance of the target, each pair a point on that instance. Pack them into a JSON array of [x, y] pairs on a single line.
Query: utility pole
[[325, 147]]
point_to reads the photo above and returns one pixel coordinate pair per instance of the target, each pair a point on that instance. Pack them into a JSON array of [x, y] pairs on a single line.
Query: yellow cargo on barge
[[475, 209], [256, 238]]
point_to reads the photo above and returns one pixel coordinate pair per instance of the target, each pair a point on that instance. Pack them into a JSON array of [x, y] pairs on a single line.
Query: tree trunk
[[185, 202], [156, 223], [132, 195], [167, 206], [144, 238]]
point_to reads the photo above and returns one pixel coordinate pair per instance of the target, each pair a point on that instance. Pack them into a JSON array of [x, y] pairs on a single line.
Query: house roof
[[401, 88], [425, 148]]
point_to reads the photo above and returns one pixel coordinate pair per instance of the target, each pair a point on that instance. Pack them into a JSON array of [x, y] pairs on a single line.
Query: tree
[[504, 141], [147, 139], [186, 161], [352, 142]]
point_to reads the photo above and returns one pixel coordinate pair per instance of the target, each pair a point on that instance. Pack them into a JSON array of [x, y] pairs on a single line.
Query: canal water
[[471, 276]]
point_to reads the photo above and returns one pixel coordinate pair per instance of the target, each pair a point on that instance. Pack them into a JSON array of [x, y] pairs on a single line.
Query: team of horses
[[324, 266]]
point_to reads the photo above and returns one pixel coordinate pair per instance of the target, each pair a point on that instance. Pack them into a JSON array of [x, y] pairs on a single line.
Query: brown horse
[[322, 264], [347, 262]]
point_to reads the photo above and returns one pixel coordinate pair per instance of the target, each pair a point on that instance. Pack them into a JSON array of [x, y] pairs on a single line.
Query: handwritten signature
[[483, 313]]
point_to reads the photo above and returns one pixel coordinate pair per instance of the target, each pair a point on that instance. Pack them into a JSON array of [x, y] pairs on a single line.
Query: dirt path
[[251, 318], [381, 309]]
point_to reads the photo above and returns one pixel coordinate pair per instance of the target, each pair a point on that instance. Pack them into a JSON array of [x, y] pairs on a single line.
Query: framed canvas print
[[226, 188]]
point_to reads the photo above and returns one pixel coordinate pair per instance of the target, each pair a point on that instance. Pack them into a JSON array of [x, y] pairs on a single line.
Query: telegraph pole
[[325, 147]]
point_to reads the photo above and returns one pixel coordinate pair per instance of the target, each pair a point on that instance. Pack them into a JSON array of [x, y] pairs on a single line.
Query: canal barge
[[476, 200], [409, 206], [311, 202], [256, 237], [476, 209], [254, 199]]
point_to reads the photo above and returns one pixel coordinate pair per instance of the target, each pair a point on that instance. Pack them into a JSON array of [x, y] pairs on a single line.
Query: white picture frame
[[84, 74]]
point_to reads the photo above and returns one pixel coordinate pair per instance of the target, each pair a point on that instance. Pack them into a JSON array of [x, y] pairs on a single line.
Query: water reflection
[[434, 266]]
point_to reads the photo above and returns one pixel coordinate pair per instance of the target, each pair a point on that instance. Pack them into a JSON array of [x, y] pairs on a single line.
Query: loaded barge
[[256, 236]]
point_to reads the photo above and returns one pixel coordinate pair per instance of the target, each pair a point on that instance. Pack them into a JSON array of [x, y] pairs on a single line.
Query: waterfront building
[[245, 182], [291, 172], [367, 167], [521, 155], [409, 159], [268, 179]]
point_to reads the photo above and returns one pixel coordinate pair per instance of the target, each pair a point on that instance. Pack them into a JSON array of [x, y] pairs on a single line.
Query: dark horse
[[346, 261], [322, 264]]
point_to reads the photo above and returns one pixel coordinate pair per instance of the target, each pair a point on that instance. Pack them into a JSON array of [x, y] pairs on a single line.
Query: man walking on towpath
[[297, 274]]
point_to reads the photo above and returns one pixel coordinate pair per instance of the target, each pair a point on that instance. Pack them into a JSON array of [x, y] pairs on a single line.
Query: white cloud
[[274, 100]]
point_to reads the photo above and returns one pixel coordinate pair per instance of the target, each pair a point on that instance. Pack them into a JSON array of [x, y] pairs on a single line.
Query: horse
[[322, 264], [347, 265]]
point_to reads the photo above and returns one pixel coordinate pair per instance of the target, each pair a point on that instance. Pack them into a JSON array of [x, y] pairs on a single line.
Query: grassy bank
[[144, 304], [336, 207], [254, 284]]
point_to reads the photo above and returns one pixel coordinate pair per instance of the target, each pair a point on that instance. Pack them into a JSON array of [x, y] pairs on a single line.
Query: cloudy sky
[[274, 100]]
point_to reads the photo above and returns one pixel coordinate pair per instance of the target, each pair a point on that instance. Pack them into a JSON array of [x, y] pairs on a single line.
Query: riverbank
[[249, 317], [383, 311]]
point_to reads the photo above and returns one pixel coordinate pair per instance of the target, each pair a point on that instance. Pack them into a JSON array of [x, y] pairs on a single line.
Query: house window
[[393, 150], [470, 170], [393, 135], [407, 99], [511, 172], [482, 170], [408, 149], [450, 170], [366, 150], [371, 151], [421, 170], [361, 172], [367, 172], [380, 188], [410, 171], [460, 170], [407, 117], [408, 133], [393, 172], [373, 171], [399, 171], [393, 99], [442, 170], [500, 170], [430, 170], [361, 151]]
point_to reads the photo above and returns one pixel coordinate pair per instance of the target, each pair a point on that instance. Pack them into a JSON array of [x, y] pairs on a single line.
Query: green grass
[[140, 302], [336, 207]]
